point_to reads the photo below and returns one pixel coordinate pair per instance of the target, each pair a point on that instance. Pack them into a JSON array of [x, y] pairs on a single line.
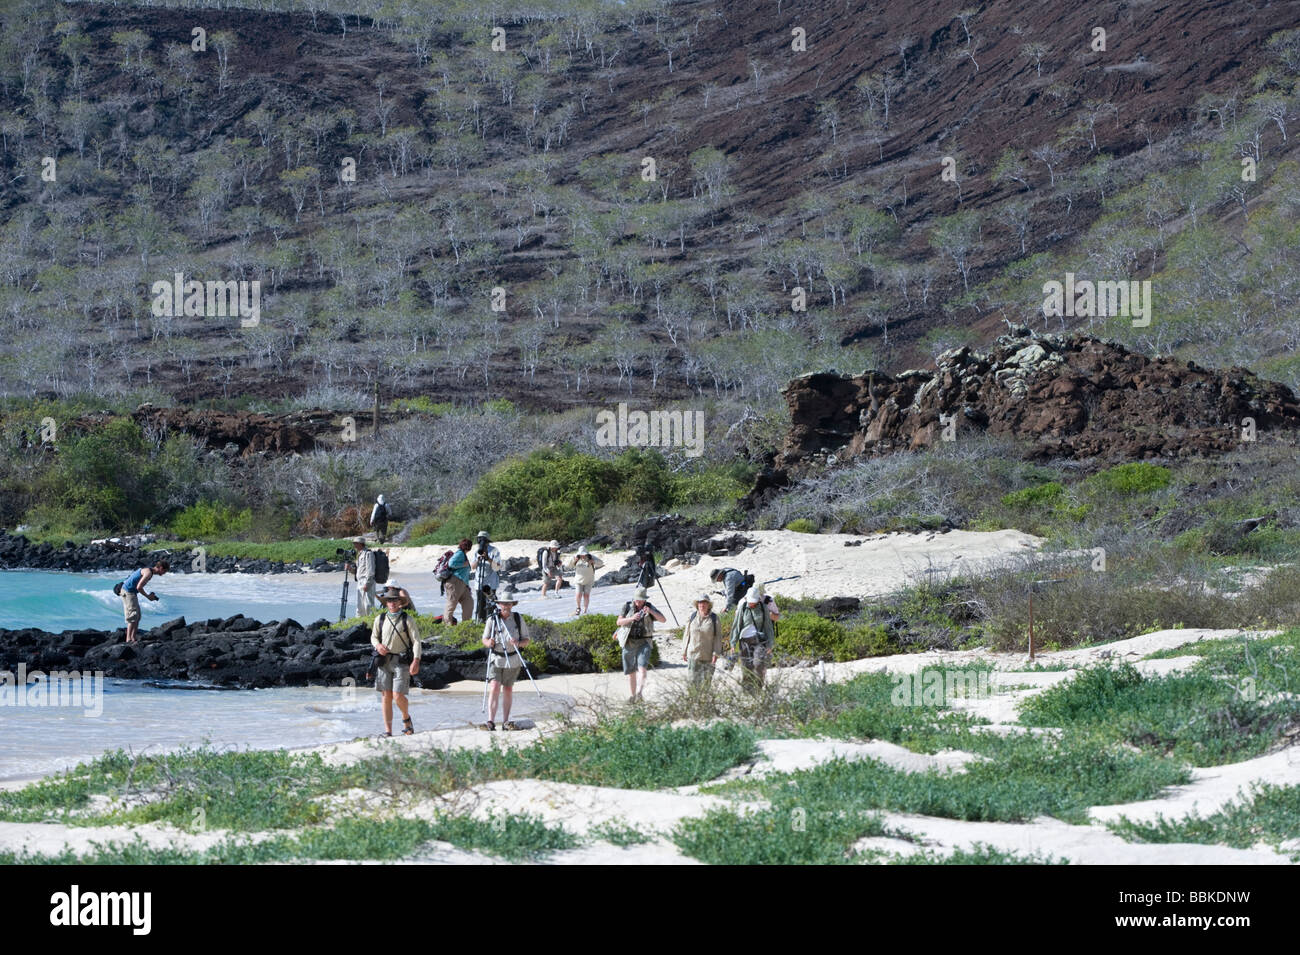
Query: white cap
[[753, 597], [381, 499]]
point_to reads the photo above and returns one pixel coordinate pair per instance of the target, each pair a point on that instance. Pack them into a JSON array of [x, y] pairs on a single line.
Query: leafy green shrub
[[1049, 495], [209, 520], [633, 753], [802, 525], [806, 636], [1137, 477], [1194, 716]]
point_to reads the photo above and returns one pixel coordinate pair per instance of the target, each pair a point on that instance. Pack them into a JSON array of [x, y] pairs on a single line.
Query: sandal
[[410, 727], [489, 726]]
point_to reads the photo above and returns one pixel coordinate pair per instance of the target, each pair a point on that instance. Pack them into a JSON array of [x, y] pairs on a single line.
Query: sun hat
[[359, 540], [639, 594], [507, 595], [582, 550], [482, 534], [392, 593], [553, 544], [753, 597], [381, 499], [704, 599]]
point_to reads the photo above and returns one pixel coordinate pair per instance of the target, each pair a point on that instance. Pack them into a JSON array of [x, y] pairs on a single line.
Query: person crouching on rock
[[503, 634], [396, 639], [130, 589]]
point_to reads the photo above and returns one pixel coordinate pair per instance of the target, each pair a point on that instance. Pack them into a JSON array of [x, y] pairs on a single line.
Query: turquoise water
[[35, 740], [63, 601]]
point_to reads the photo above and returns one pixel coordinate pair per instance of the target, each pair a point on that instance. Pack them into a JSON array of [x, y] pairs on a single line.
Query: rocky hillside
[[1065, 396], [380, 170]]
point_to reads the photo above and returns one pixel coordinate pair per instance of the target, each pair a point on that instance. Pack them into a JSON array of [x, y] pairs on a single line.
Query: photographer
[[503, 634], [131, 588], [645, 560], [396, 640], [639, 618], [584, 566], [457, 586], [364, 571], [486, 565]]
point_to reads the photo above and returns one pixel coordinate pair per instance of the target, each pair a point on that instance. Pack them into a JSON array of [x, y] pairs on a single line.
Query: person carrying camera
[[396, 641], [639, 618], [364, 571], [753, 637], [457, 586], [503, 635], [486, 565], [584, 566], [131, 588]]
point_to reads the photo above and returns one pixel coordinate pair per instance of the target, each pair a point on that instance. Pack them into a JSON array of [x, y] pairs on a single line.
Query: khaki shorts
[[131, 607], [505, 675], [393, 677], [584, 589]]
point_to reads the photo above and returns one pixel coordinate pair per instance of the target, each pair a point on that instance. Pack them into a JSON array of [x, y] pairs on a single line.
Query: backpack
[[381, 514], [381, 567], [442, 569], [541, 551]]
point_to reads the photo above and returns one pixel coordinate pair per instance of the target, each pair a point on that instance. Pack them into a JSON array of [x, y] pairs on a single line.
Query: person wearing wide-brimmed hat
[[584, 566], [504, 633], [396, 639], [753, 637], [552, 567], [703, 636], [638, 616]]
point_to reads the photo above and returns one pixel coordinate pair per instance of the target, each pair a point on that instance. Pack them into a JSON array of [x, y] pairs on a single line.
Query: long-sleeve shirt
[[397, 632], [703, 638], [365, 565]]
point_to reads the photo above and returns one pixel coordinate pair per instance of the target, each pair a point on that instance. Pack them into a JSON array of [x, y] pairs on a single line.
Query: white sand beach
[[826, 568]]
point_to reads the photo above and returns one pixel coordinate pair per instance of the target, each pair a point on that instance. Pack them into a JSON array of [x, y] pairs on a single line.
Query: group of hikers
[[470, 575]]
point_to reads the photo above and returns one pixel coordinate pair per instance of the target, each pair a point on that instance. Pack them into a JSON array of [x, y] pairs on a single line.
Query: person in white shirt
[[379, 519], [584, 566]]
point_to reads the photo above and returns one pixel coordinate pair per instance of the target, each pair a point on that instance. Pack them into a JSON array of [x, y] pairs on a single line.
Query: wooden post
[[1031, 620]]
